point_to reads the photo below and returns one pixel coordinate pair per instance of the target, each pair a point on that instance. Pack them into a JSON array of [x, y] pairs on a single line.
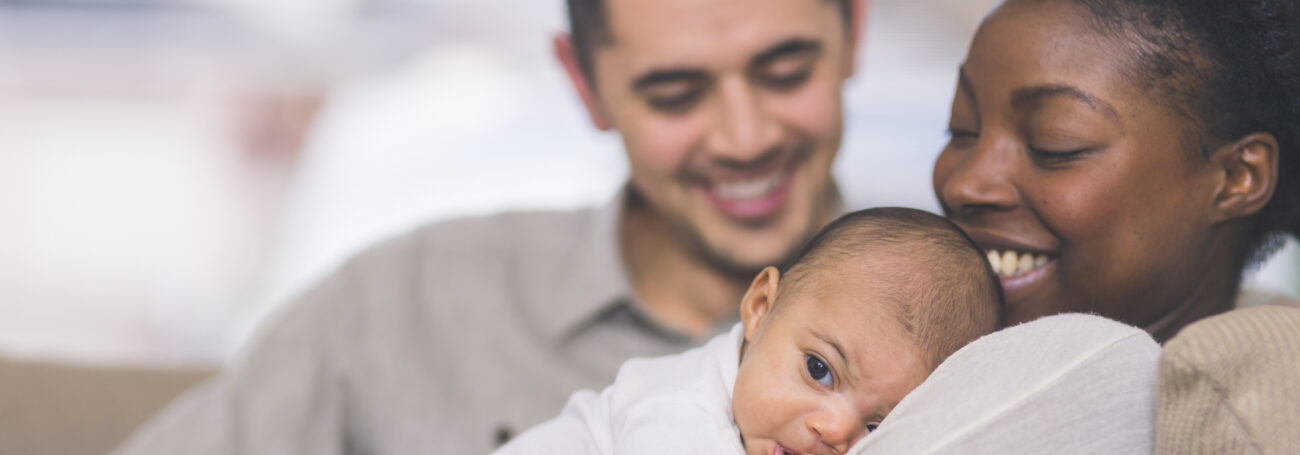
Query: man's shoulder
[[518, 228], [513, 234], [485, 259]]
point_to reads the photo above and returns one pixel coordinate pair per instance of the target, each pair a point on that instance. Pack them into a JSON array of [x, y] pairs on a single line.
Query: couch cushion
[[48, 408]]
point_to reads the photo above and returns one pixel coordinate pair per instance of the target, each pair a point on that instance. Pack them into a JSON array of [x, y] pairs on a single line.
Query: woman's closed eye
[[818, 370], [962, 138], [1056, 156]]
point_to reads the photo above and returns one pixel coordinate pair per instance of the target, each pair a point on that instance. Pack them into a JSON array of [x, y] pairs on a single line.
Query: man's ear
[[568, 57], [1248, 171], [758, 300], [857, 28]]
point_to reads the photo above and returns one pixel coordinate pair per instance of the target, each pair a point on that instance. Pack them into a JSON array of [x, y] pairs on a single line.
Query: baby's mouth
[[1011, 263]]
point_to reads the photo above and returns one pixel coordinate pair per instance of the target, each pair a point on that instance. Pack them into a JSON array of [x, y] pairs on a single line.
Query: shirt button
[[503, 435]]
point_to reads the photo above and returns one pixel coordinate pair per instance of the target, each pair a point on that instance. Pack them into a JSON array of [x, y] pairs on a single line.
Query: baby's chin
[[756, 446]]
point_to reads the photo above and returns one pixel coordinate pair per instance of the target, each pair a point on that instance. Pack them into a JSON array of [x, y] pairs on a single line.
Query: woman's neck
[[1216, 292]]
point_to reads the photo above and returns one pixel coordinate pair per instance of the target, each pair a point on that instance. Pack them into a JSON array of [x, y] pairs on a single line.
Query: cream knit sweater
[[1230, 384]]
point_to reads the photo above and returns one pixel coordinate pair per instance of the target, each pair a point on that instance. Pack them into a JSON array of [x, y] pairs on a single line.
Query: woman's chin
[[1026, 294]]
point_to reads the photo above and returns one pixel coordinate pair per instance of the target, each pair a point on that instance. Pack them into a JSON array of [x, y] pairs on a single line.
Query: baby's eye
[[818, 371], [872, 427]]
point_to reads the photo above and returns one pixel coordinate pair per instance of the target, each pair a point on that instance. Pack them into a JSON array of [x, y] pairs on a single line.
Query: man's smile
[[751, 199]]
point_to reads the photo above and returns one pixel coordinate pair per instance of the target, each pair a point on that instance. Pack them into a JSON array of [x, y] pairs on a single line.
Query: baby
[[825, 349]]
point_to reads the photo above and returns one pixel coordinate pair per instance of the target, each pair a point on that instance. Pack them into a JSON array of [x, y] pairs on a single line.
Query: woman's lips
[[1016, 286]]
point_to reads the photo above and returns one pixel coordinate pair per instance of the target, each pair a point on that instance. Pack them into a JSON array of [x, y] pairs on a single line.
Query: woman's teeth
[[749, 189], [1010, 263]]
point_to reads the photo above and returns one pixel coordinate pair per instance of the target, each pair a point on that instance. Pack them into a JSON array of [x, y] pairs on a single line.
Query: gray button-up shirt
[[451, 339]]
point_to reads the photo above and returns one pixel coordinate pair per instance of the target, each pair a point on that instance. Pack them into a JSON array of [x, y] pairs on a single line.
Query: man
[[458, 335]]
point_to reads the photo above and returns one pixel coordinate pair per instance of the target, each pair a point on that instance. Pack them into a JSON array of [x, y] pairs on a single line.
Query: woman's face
[[1058, 157]]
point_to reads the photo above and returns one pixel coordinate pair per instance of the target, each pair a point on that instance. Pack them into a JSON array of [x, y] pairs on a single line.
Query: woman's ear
[[566, 53], [758, 300], [1249, 176]]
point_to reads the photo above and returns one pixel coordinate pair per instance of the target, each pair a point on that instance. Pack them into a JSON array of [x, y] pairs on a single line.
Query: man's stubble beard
[[725, 263]]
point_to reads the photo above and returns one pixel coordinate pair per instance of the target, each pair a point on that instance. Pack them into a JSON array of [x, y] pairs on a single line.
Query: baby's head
[[857, 320]]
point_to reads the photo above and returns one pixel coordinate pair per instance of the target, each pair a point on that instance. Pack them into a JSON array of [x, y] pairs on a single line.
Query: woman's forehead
[[1028, 47]]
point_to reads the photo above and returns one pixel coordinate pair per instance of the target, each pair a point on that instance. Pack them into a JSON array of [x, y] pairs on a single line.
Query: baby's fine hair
[[945, 294]]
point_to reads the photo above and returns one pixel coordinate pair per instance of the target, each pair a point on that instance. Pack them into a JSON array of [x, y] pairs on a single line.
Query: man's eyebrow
[[664, 76], [788, 47], [1029, 95]]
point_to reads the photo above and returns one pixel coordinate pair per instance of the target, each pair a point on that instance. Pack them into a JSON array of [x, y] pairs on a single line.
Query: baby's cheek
[[750, 404]]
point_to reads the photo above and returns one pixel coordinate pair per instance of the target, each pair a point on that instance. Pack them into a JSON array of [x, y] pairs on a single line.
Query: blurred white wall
[[142, 154], [157, 206]]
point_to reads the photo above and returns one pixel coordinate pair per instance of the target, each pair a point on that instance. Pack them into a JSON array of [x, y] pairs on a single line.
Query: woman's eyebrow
[[1029, 96], [969, 89]]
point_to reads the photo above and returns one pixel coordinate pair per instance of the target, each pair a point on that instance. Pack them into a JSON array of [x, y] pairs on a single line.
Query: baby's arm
[[577, 430], [675, 423]]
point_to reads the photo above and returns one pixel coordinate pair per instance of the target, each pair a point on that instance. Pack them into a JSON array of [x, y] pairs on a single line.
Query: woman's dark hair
[[1231, 66]]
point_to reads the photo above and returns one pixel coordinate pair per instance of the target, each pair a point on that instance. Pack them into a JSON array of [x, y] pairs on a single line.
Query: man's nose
[[743, 130], [977, 180], [837, 426]]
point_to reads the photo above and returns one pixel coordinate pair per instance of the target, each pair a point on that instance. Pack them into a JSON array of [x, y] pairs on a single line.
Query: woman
[[1127, 157]]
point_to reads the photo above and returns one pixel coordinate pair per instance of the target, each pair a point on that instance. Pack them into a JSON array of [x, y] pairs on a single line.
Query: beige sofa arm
[[62, 409]]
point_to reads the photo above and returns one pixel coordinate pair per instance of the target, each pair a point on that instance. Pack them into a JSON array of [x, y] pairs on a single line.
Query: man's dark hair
[[1233, 68], [589, 27], [947, 298]]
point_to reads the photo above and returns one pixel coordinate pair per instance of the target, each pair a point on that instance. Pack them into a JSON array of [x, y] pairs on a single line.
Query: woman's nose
[[743, 131], [976, 180]]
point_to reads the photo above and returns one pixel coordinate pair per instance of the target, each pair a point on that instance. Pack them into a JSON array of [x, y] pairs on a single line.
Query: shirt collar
[[594, 280]]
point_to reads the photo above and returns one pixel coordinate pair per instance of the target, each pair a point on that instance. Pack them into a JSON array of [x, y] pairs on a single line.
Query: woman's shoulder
[[1227, 382], [1250, 298]]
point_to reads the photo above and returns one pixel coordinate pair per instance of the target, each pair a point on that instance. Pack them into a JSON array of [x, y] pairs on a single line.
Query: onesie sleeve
[[675, 423], [581, 428]]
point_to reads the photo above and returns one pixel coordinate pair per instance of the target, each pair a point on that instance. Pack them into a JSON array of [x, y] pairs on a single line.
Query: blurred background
[[170, 170]]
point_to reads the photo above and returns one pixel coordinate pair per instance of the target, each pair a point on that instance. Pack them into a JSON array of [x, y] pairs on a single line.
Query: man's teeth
[[749, 189], [1010, 263]]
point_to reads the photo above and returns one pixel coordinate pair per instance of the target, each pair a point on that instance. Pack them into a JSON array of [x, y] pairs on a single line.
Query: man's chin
[[744, 267]]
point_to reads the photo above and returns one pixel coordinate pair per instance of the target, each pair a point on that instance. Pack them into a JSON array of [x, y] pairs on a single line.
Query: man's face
[[731, 114]]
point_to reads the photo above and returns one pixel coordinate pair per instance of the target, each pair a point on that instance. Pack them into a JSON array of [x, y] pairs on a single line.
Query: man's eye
[[818, 370], [675, 103], [785, 81]]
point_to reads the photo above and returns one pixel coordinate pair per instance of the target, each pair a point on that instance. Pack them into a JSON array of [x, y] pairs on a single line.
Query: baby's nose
[[837, 428]]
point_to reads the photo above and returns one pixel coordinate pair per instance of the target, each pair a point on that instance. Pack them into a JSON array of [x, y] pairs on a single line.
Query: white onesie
[[672, 404]]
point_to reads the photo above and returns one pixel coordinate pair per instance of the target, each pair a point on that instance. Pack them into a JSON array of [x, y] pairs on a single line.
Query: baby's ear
[[758, 299]]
